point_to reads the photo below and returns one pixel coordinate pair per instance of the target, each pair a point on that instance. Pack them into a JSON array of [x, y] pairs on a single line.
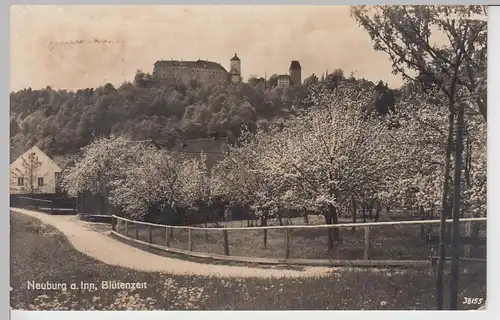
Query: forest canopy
[[62, 122]]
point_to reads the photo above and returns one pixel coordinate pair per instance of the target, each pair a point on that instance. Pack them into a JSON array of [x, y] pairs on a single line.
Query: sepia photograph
[[248, 157]]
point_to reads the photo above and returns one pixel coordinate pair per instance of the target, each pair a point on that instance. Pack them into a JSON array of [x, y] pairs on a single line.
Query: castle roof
[[235, 58], [295, 65], [199, 64]]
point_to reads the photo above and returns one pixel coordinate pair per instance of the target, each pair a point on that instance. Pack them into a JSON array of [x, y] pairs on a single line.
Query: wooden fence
[[150, 234]]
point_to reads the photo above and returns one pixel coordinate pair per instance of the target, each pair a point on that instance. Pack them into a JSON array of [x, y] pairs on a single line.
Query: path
[[94, 241]]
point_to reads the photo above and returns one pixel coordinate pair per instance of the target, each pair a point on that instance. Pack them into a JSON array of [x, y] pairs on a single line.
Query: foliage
[[241, 179], [475, 181], [419, 136], [99, 165], [197, 182], [154, 179], [61, 122], [441, 45]]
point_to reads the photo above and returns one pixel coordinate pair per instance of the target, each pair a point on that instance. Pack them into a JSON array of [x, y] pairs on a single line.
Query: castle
[[201, 71], [207, 72]]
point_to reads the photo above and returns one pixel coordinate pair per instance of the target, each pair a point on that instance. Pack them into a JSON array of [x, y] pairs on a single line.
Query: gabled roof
[[235, 58], [36, 149], [208, 145], [145, 143], [295, 65]]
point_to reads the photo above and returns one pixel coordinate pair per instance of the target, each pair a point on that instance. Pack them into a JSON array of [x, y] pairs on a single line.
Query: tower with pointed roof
[[235, 69]]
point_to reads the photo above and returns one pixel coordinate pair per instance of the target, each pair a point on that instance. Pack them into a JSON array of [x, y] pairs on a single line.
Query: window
[[20, 181], [40, 182]]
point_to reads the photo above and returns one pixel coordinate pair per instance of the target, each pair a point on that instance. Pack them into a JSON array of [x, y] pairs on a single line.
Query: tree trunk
[[455, 234], [206, 231], [280, 217], [430, 216], [306, 218], [328, 220], [422, 226], [370, 210], [334, 220], [363, 207], [354, 214], [444, 213], [377, 212], [263, 223]]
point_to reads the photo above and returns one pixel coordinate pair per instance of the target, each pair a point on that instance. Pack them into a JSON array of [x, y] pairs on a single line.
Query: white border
[[493, 201]]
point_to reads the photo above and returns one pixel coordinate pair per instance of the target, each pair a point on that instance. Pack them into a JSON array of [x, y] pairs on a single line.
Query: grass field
[[395, 242], [40, 253]]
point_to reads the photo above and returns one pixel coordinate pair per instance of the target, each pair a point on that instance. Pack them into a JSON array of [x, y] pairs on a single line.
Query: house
[[214, 148], [34, 172], [147, 144], [284, 81]]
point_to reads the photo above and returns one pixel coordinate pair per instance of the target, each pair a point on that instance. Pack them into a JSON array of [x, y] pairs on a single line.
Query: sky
[[55, 45]]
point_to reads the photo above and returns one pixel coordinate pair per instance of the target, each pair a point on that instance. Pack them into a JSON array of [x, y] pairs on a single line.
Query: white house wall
[[47, 171]]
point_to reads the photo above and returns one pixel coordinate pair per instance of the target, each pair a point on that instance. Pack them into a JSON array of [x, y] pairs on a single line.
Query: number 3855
[[468, 300]]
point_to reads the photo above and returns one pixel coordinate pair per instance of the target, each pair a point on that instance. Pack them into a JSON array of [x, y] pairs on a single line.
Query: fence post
[[167, 238], [52, 207], [150, 234], [113, 223], [190, 242], [367, 242], [226, 242], [126, 228], [468, 233], [287, 243], [136, 225]]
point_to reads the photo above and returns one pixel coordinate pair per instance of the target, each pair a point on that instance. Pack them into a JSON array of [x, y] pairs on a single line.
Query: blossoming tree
[[154, 180], [99, 165]]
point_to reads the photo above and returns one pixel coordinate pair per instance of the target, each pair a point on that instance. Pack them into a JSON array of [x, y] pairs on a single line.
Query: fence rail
[[319, 226], [378, 243]]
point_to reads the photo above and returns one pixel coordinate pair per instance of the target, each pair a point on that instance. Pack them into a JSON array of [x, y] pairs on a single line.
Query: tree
[[140, 79], [100, 164], [197, 185], [405, 34], [272, 82], [323, 158], [243, 180], [153, 180], [312, 80]]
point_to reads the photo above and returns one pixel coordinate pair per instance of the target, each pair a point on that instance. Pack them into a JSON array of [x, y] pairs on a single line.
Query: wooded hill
[[61, 122]]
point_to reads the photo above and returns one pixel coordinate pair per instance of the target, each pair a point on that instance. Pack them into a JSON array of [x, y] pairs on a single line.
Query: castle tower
[[235, 69], [295, 72]]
